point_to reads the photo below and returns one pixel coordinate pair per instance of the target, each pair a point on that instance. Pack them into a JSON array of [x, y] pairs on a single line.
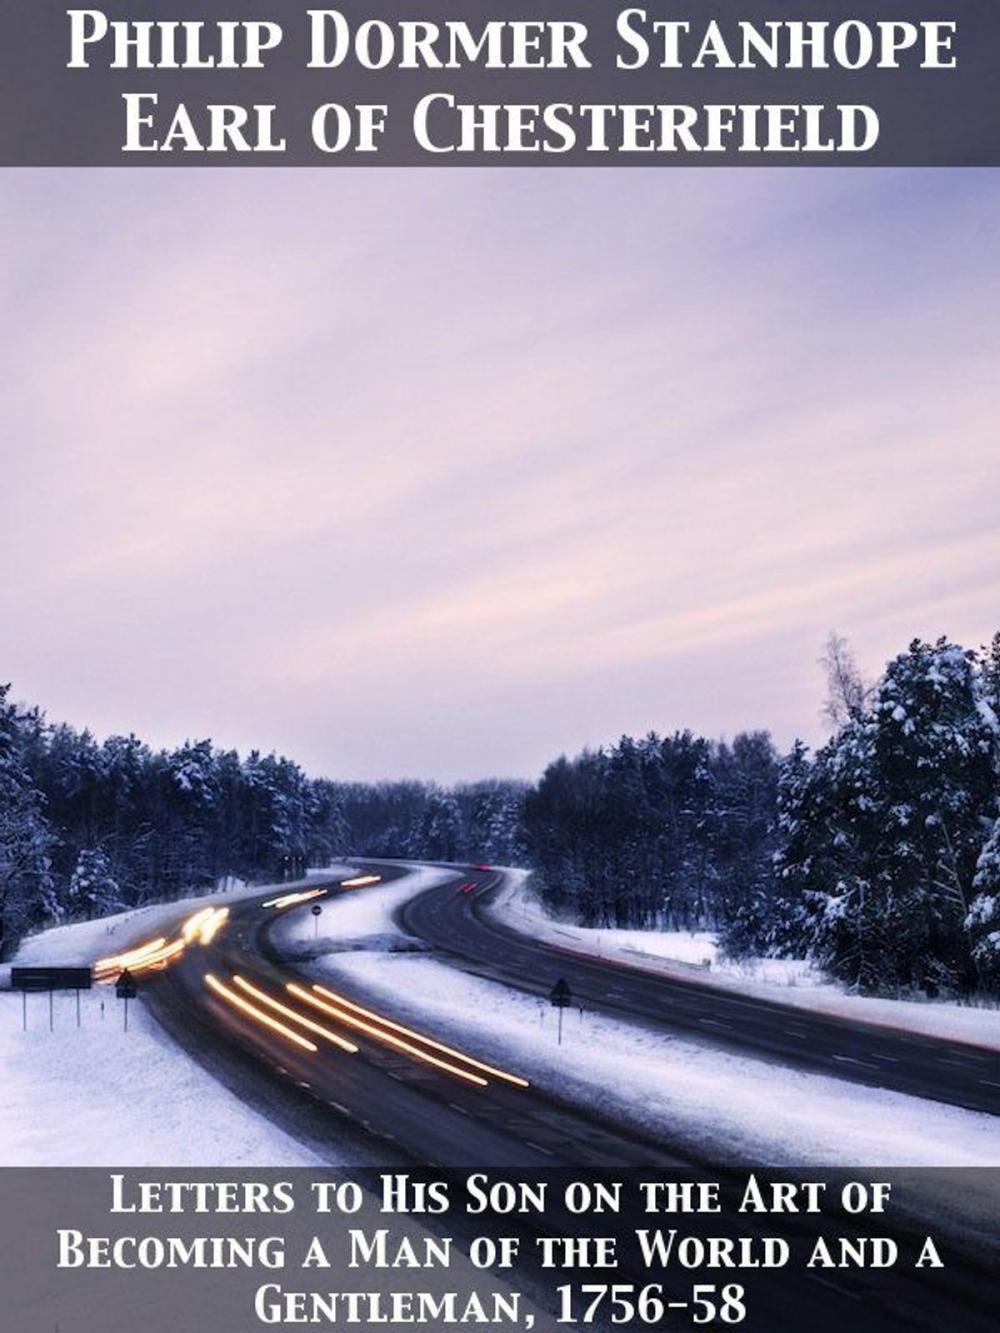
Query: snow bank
[[731, 1108], [82, 942], [786, 980], [115, 1098], [358, 918], [735, 1108]]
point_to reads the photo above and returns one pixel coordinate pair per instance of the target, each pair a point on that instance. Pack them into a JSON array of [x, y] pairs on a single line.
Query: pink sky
[[442, 473]]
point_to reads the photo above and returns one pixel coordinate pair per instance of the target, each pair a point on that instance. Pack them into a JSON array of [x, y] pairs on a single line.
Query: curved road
[[463, 926], [335, 1099], [428, 1112]]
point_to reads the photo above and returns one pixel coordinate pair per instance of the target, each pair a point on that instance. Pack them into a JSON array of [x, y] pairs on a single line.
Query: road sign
[[125, 987], [562, 997], [50, 978], [316, 909]]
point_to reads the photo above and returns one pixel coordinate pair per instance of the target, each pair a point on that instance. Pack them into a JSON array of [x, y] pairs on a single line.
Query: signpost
[[317, 912], [126, 989], [51, 979], [562, 998]]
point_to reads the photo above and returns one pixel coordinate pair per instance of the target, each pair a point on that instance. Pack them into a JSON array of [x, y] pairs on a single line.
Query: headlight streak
[[192, 926], [359, 881], [161, 957], [211, 928], [515, 1079], [131, 959], [214, 984], [295, 1016], [290, 899], [202, 926], [381, 1035]]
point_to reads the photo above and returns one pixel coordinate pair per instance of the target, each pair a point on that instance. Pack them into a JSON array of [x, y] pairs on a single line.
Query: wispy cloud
[[443, 472]]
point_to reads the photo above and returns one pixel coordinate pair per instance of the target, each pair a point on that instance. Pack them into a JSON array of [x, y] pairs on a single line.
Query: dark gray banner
[[427, 83], [227, 1251]]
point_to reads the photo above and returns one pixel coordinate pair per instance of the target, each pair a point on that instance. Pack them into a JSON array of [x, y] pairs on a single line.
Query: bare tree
[[846, 690]]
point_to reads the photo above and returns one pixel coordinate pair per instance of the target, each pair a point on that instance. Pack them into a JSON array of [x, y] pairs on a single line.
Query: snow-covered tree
[[983, 919], [441, 828], [25, 839], [990, 658], [93, 890], [882, 838], [676, 831]]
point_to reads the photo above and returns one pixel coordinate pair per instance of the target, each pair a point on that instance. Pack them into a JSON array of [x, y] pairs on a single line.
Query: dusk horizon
[[554, 461]]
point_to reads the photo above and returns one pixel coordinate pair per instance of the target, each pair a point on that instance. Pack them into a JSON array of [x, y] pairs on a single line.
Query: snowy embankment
[[732, 1108], [792, 981], [82, 942], [357, 919], [116, 1098]]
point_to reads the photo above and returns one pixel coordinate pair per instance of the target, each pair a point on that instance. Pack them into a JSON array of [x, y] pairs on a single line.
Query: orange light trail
[[381, 1035], [193, 925], [161, 956], [427, 1041], [359, 881], [210, 928], [203, 925], [118, 962], [289, 899], [238, 1001], [117, 959], [295, 1016]]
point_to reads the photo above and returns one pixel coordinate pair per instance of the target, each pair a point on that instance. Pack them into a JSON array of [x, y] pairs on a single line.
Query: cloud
[[442, 472]]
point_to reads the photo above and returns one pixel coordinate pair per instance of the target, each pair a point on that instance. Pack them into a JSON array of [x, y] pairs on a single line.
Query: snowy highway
[[324, 1060], [461, 927], [246, 1013]]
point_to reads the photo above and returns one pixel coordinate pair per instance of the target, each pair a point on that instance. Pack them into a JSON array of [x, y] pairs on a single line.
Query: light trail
[[160, 958], [214, 984], [211, 928], [381, 1035], [130, 960], [359, 881], [192, 926], [290, 899], [296, 1017], [203, 926], [515, 1079]]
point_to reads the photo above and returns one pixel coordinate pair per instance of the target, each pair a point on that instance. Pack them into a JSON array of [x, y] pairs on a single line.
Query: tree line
[[878, 856], [89, 827]]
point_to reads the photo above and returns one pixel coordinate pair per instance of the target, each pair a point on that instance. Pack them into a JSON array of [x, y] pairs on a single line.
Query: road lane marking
[[853, 1060]]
